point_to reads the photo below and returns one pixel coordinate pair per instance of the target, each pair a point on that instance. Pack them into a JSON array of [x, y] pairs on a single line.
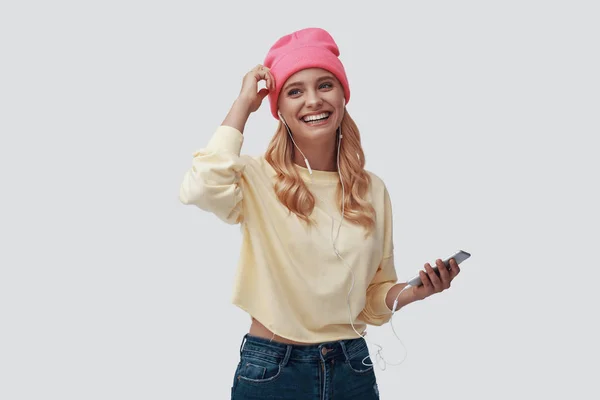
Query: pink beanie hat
[[306, 48]]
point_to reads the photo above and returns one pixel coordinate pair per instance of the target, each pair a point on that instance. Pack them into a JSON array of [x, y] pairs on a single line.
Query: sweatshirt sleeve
[[213, 181], [376, 311]]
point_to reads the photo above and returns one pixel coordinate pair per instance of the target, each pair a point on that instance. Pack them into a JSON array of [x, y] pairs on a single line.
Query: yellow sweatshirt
[[288, 276]]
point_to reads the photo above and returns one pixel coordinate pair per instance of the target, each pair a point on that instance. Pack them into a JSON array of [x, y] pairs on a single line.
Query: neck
[[321, 156]]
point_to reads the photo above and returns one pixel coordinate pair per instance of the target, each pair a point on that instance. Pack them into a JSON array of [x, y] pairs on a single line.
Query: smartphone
[[459, 257]]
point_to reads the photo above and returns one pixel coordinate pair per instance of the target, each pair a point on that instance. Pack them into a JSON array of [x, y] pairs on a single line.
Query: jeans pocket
[[355, 362], [259, 370]]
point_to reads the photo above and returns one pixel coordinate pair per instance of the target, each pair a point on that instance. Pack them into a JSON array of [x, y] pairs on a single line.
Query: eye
[[327, 84], [293, 92]]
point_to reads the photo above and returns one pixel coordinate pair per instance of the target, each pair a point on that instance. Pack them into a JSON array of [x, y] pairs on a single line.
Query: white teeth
[[315, 117]]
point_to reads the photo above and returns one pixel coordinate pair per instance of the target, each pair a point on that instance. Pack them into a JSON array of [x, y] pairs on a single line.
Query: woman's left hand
[[431, 283]]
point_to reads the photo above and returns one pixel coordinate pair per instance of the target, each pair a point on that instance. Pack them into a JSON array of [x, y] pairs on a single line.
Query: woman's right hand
[[250, 93]]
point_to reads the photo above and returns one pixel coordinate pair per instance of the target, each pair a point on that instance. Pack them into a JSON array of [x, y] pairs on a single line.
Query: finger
[[256, 71], [263, 73], [259, 71], [444, 274], [425, 280], [437, 284], [454, 269], [266, 75], [262, 93], [272, 80], [267, 79], [270, 83]]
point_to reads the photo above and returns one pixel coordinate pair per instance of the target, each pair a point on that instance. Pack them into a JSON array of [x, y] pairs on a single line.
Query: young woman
[[316, 263]]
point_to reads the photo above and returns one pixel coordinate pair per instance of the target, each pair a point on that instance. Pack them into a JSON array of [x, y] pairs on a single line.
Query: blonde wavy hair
[[295, 195]]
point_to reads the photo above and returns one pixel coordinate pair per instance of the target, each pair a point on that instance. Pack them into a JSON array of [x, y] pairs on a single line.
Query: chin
[[316, 132]]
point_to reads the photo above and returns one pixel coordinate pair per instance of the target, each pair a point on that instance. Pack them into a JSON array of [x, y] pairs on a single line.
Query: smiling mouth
[[316, 119]]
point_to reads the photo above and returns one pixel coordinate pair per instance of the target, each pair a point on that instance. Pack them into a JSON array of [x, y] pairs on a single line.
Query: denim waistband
[[335, 350]]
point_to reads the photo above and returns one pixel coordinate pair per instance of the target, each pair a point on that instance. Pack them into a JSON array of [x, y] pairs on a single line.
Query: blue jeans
[[325, 371]]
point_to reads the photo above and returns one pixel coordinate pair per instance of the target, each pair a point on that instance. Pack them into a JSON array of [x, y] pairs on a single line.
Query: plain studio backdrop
[[481, 117]]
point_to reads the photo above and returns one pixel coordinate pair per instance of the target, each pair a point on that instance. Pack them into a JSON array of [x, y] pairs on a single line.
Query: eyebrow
[[301, 83]]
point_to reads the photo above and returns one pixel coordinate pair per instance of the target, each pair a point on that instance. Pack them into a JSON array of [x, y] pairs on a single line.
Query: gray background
[[481, 117]]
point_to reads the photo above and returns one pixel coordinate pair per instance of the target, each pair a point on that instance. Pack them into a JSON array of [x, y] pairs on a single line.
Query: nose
[[313, 99]]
